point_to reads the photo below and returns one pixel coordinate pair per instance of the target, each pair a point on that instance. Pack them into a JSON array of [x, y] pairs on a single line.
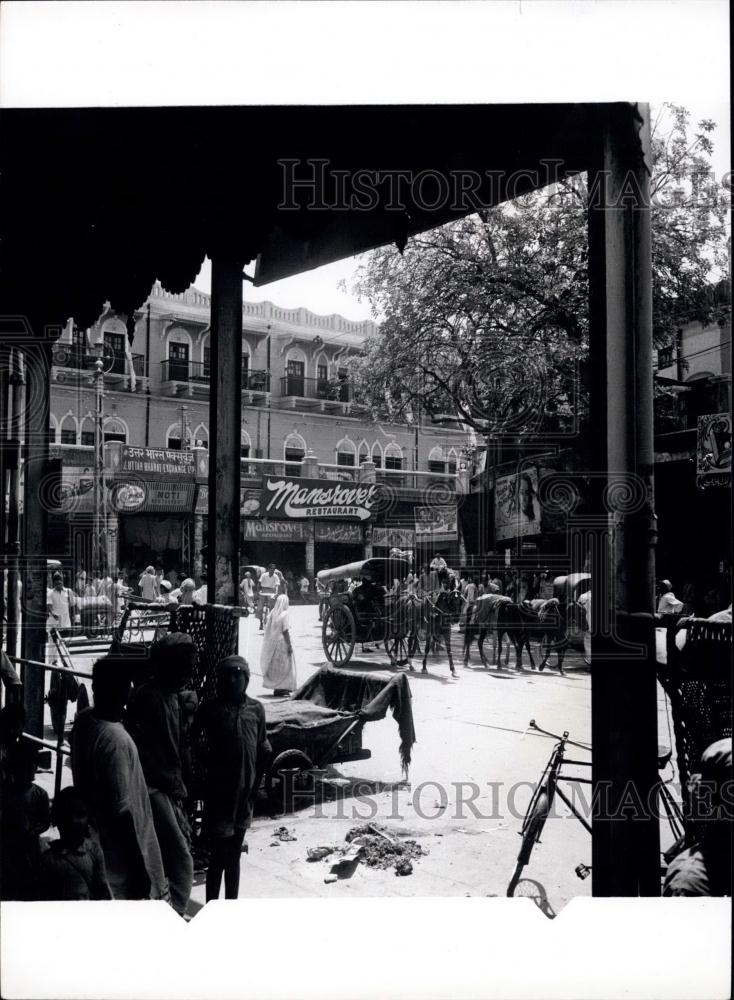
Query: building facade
[[301, 419]]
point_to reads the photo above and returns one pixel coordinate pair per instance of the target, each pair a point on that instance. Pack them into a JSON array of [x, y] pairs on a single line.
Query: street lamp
[[100, 519]]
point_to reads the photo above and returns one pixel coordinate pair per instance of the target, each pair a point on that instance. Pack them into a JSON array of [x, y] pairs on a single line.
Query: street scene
[[430, 596]]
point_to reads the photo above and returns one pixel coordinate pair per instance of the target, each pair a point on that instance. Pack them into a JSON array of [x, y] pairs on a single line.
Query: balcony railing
[[80, 360], [315, 388], [198, 372]]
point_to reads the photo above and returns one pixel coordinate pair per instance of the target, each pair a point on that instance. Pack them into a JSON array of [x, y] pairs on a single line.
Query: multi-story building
[[301, 417], [693, 459]]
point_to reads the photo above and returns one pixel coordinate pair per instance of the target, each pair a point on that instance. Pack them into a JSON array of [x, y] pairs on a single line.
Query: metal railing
[[334, 390], [84, 361], [198, 372], [411, 479]]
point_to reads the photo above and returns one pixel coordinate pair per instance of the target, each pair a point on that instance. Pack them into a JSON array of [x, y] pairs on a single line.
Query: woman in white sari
[[276, 658]]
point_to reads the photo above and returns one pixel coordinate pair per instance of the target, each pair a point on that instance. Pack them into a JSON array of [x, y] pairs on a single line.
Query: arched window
[[245, 444], [364, 452], [246, 365], [68, 430], [173, 437], [86, 436], [178, 354], [452, 460], [377, 455], [346, 453], [436, 460], [200, 437], [295, 372], [294, 450], [115, 430], [206, 355], [393, 456], [53, 426]]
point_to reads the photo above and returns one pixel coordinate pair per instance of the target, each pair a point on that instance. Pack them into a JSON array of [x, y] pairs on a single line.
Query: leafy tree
[[486, 318]]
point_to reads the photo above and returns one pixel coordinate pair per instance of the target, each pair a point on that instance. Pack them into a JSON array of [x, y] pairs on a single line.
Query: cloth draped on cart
[[366, 694]]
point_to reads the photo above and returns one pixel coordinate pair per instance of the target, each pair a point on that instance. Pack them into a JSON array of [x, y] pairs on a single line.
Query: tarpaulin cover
[[367, 694]]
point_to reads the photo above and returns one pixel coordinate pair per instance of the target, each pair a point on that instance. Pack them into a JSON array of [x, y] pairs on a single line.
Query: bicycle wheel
[[532, 829]]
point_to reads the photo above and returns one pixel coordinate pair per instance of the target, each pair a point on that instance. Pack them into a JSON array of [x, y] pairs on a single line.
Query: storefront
[[152, 500], [337, 543], [281, 542]]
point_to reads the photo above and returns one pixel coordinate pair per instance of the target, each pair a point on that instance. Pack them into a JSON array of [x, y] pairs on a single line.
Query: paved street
[[468, 730], [468, 788]]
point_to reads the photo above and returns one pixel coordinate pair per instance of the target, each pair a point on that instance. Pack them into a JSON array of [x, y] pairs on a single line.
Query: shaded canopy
[[99, 203]]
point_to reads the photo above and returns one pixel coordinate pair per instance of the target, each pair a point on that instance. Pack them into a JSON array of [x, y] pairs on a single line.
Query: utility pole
[[100, 518]]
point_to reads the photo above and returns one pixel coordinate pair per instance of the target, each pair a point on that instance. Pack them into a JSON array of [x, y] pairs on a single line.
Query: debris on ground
[[379, 849], [319, 853], [331, 878], [283, 833]]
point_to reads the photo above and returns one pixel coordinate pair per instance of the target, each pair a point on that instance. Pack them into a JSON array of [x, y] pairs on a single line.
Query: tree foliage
[[487, 318]]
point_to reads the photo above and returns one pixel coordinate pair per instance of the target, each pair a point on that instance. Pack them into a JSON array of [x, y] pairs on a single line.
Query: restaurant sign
[[274, 531], [340, 534], [136, 497], [286, 498], [156, 461]]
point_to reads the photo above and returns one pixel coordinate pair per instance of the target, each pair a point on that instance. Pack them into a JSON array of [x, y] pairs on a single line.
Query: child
[[24, 817], [73, 867], [235, 749]]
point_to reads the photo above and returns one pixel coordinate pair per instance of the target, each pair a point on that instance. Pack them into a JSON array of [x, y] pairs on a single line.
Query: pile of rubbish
[[283, 833], [373, 845]]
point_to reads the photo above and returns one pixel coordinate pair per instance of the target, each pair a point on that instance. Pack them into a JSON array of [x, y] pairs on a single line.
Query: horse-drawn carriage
[[366, 613]]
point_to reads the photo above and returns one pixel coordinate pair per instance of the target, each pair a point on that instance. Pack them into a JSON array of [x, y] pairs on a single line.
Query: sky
[[318, 290]]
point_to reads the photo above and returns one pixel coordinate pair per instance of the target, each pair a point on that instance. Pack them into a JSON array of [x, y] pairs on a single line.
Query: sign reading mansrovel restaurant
[[288, 499]]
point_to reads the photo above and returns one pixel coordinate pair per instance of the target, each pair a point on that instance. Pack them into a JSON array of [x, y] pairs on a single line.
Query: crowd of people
[[125, 825]]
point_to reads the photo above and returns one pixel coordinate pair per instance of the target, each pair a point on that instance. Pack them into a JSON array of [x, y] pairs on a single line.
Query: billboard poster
[[516, 505], [289, 498], [76, 493], [713, 450], [436, 524], [394, 538]]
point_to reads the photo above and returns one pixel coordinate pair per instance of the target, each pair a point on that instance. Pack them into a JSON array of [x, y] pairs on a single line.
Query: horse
[[402, 618], [553, 630], [482, 618], [436, 618]]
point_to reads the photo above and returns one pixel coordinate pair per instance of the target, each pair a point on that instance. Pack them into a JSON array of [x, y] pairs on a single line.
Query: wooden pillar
[[35, 527], [625, 854], [225, 410]]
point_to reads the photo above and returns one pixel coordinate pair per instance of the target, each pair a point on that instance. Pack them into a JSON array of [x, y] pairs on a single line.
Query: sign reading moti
[[287, 498]]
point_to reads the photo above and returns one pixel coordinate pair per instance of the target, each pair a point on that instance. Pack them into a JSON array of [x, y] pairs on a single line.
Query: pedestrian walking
[[155, 720], [108, 775], [247, 590], [24, 817], [148, 584], [60, 601], [276, 659], [235, 749]]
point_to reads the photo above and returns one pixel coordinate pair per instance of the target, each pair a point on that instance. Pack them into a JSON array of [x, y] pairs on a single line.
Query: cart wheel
[[338, 634], [283, 776], [399, 648]]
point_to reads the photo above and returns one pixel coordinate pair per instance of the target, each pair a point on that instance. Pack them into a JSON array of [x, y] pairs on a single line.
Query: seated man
[[704, 868], [368, 596]]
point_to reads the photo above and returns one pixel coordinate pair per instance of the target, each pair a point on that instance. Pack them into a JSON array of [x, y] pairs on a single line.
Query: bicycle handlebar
[[534, 725]]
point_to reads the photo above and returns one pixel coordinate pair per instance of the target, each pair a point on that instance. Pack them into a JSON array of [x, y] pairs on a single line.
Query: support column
[[198, 546], [310, 549], [35, 527], [625, 854], [225, 410]]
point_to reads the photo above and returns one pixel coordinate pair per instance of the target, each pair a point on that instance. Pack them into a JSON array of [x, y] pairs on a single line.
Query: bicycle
[[548, 787]]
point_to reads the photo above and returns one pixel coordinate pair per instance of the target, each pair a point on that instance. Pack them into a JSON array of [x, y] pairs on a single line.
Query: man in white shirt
[[438, 563], [269, 586], [59, 602], [200, 595]]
